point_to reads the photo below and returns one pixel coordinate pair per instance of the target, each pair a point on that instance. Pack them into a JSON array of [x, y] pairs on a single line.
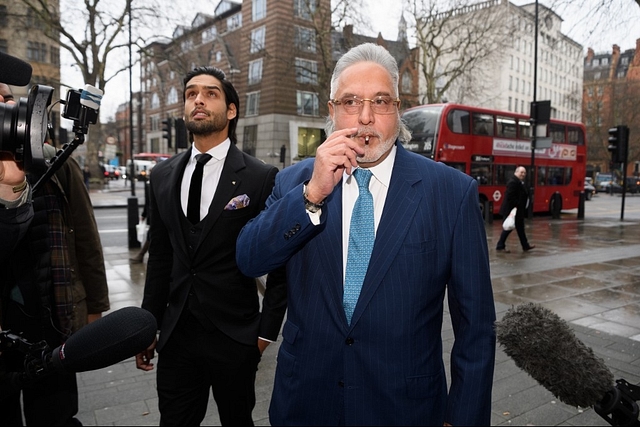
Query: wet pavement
[[587, 271]]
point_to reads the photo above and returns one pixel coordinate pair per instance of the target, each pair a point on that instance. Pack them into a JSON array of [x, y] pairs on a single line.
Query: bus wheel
[[555, 205]]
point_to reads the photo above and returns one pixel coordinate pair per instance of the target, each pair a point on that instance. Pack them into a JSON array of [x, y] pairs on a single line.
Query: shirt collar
[[381, 172], [218, 152]]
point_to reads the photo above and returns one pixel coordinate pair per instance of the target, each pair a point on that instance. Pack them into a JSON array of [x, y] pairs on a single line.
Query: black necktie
[[195, 189]]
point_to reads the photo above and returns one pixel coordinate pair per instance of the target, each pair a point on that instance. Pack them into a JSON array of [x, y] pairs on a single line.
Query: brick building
[[279, 56], [610, 96]]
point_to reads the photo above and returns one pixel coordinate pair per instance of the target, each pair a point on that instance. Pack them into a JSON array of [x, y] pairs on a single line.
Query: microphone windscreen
[[543, 345], [106, 341], [14, 71]]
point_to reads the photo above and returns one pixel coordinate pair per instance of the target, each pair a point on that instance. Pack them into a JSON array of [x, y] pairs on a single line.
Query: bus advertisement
[[489, 144]]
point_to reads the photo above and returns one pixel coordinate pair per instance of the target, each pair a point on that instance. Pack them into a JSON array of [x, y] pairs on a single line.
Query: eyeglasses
[[379, 104]]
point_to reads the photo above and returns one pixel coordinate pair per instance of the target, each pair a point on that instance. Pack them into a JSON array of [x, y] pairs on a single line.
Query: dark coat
[[228, 297]]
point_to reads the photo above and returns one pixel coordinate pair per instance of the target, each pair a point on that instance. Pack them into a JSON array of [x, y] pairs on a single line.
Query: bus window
[[524, 128], [575, 135], [504, 173], [458, 121], [482, 124], [568, 176], [556, 176], [505, 127], [482, 173], [423, 124], [556, 132], [542, 175]]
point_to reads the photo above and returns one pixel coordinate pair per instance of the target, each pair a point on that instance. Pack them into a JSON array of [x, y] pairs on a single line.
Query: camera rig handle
[[81, 107]]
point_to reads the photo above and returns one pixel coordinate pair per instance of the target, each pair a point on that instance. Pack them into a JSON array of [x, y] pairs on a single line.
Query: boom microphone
[[106, 341], [543, 345], [14, 71]]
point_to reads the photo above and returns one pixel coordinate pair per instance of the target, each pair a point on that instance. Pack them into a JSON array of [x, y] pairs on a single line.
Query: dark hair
[[230, 94]]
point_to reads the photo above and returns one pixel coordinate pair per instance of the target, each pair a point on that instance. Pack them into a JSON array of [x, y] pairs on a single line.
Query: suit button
[[349, 341], [341, 384], [192, 231]]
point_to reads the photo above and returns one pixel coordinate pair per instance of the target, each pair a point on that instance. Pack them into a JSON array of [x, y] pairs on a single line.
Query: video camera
[[24, 125]]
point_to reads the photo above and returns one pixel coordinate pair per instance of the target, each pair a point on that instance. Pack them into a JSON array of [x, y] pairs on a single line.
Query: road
[[112, 222]]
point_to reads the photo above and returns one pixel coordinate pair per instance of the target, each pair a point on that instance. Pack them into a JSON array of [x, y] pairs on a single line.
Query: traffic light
[[167, 124], [618, 143], [181, 134]]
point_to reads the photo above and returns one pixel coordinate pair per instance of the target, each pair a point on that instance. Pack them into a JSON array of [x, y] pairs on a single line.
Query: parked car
[[589, 189], [603, 180], [633, 186]]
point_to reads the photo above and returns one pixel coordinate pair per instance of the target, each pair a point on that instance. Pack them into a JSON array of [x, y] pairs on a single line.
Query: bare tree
[[92, 49], [455, 44]]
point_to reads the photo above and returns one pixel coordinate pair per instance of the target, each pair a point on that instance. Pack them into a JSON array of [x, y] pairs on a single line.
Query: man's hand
[[143, 359], [262, 345], [337, 154], [93, 317], [11, 174]]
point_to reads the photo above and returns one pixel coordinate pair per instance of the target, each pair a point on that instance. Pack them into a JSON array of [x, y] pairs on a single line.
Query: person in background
[[53, 280], [373, 238], [212, 332], [515, 196], [139, 257]]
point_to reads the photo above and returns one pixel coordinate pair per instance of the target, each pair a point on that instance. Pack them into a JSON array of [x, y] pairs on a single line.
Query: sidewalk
[[587, 271]]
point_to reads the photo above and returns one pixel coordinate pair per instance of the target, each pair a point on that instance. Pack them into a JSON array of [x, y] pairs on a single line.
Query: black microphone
[[543, 345], [106, 341], [14, 71]]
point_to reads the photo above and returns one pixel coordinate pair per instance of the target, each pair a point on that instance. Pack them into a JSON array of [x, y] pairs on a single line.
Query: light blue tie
[[361, 238]]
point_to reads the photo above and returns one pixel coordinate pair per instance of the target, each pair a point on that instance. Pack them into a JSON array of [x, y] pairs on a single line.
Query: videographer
[[52, 280]]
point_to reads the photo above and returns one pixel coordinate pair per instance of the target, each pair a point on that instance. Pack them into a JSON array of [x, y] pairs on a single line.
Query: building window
[[624, 60], [4, 46], [155, 101], [257, 39], [255, 71], [258, 9], [234, 22], [306, 71], [3, 16], [37, 52], [604, 61], [304, 9], [253, 104], [407, 82], [250, 140], [54, 55], [308, 104], [305, 39], [596, 76], [309, 139], [172, 97], [209, 34]]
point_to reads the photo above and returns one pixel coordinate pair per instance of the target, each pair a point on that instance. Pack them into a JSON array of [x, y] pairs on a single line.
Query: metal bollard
[[132, 219], [581, 202], [488, 211]]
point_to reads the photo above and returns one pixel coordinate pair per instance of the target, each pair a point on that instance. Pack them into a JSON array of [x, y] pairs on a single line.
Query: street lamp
[[132, 201]]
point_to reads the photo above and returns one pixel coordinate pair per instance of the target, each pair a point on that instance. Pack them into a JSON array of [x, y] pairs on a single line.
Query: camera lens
[[13, 127]]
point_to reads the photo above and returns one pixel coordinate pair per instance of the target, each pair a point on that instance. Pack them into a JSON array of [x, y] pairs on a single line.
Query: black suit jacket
[[516, 196], [228, 297]]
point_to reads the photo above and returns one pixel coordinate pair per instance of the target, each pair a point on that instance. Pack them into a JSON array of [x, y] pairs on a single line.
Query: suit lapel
[[330, 253], [175, 182], [229, 181], [400, 207]]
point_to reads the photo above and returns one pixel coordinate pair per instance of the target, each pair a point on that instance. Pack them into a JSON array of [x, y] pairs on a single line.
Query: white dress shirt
[[210, 177], [379, 186]]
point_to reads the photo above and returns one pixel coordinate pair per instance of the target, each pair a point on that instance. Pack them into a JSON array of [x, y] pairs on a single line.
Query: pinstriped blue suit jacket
[[387, 367]]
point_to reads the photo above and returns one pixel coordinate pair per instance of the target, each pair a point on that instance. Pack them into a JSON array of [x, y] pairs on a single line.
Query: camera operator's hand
[[11, 174]]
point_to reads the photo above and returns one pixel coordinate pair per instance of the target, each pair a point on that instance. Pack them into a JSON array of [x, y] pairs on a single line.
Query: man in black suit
[[212, 333], [516, 196]]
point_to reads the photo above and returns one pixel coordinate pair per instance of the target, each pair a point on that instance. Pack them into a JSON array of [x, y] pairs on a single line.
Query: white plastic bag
[[510, 221], [141, 229]]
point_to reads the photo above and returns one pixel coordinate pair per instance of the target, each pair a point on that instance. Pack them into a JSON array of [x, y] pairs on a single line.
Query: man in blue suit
[[375, 358]]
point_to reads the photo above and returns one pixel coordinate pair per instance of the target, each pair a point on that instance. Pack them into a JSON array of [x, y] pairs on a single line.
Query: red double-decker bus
[[489, 144]]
